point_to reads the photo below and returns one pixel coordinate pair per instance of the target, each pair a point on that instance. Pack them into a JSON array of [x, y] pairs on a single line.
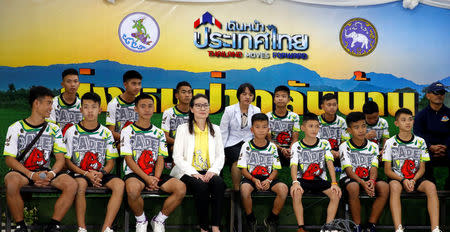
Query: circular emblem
[[358, 37], [139, 32]]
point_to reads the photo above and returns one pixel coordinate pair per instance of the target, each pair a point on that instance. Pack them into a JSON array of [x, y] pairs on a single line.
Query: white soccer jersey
[[259, 161], [360, 159], [282, 128], [335, 132], [65, 115], [171, 119], [311, 160], [120, 113], [382, 130]]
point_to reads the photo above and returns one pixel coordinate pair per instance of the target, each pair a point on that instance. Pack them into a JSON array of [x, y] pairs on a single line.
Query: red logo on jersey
[[127, 124], [374, 140], [35, 160], [408, 168], [67, 126], [260, 171], [333, 143], [146, 161], [90, 162], [283, 138], [312, 171], [362, 172]]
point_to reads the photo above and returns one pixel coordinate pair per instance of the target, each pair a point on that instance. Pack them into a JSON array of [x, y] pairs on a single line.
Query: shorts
[[314, 186], [106, 178], [285, 162], [416, 185], [232, 153], [30, 181], [347, 180], [162, 180], [261, 178]]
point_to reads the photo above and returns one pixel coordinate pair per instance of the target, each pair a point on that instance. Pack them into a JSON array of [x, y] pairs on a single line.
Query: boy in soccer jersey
[[404, 164], [120, 112], [377, 128], [175, 116], [309, 158], [359, 160], [66, 106], [144, 147], [33, 168], [332, 126], [259, 162], [284, 125], [90, 158]]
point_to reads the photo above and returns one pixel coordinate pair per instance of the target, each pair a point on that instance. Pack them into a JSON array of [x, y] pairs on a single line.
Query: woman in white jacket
[[235, 126], [198, 155]]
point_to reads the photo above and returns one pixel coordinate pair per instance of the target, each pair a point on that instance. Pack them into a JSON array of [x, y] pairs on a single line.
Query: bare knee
[[280, 189], [117, 186], [246, 190], [133, 191], [353, 190], [12, 184], [180, 189], [395, 187]]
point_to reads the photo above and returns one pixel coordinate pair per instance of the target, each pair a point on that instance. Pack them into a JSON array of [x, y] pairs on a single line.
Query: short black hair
[[309, 117], [91, 96], [402, 111], [181, 84], [370, 107], [131, 74], [354, 117], [38, 92], [327, 97], [282, 88], [69, 71], [142, 96], [242, 88], [259, 117]]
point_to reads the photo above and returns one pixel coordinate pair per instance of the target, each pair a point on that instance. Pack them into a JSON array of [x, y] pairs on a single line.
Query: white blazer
[[230, 125], [183, 152]]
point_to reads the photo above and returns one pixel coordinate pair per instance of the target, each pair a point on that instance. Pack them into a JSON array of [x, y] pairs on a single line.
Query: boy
[[175, 116], [66, 106], [284, 125], [312, 156], [144, 147], [332, 126], [120, 112], [90, 158], [258, 161], [377, 128], [30, 165], [359, 160], [404, 164]]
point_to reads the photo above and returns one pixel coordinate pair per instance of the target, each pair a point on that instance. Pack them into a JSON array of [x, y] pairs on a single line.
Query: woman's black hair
[[242, 88], [191, 115]]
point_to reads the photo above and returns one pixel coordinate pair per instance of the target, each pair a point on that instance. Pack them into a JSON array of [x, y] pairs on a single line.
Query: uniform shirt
[[259, 161], [120, 113], [145, 145], [282, 128], [381, 127], [434, 126], [405, 156], [201, 150], [20, 134], [171, 119], [335, 131], [311, 160], [90, 149], [360, 159], [65, 115]]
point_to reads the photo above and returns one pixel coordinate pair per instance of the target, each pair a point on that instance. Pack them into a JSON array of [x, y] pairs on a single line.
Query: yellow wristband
[[334, 183]]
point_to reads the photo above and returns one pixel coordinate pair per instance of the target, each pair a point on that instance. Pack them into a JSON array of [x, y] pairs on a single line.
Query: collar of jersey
[[400, 141], [306, 146], [354, 147], [123, 102], [62, 103], [27, 127], [178, 112], [322, 120], [280, 117], [83, 130], [254, 147], [138, 129]]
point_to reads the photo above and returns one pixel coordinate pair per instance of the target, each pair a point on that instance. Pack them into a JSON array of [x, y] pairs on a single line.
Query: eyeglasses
[[201, 106], [439, 92]]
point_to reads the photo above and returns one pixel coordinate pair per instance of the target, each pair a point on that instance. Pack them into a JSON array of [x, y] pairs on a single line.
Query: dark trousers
[[205, 194]]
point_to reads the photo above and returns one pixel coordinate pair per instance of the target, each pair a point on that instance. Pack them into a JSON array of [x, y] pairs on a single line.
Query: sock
[[141, 218], [300, 226], [272, 217], [54, 222], [370, 225], [21, 224], [251, 217], [161, 217]]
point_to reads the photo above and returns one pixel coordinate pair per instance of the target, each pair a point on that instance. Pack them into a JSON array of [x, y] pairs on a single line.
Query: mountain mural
[[109, 73]]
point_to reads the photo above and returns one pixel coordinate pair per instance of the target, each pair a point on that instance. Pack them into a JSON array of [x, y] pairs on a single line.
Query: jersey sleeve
[[345, 159], [387, 153], [276, 159], [385, 130], [243, 156], [424, 156], [374, 162], [162, 151], [52, 117], [111, 114], [165, 123], [344, 134], [58, 145], [294, 154], [12, 135], [111, 150], [328, 154], [68, 140], [125, 142], [296, 120]]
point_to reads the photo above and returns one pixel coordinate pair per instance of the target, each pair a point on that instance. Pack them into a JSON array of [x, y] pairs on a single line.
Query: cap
[[436, 86]]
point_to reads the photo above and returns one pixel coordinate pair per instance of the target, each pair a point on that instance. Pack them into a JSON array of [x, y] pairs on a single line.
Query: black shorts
[[285, 162], [261, 178], [314, 186], [347, 180], [30, 181], [416, 185], [232, 153], [106, 178], [169, 158], [162, 180]]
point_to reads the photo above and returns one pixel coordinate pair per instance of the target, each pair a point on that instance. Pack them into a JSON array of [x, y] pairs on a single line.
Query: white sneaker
[[157, 226], [81, 229], [108, 230], [436, 229], [141, 226], [399, 229]]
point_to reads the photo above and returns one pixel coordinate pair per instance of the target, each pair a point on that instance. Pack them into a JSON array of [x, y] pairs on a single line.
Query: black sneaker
[[21, 228], [271, 226], [53, 228], [371, 229], [251, 226]]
